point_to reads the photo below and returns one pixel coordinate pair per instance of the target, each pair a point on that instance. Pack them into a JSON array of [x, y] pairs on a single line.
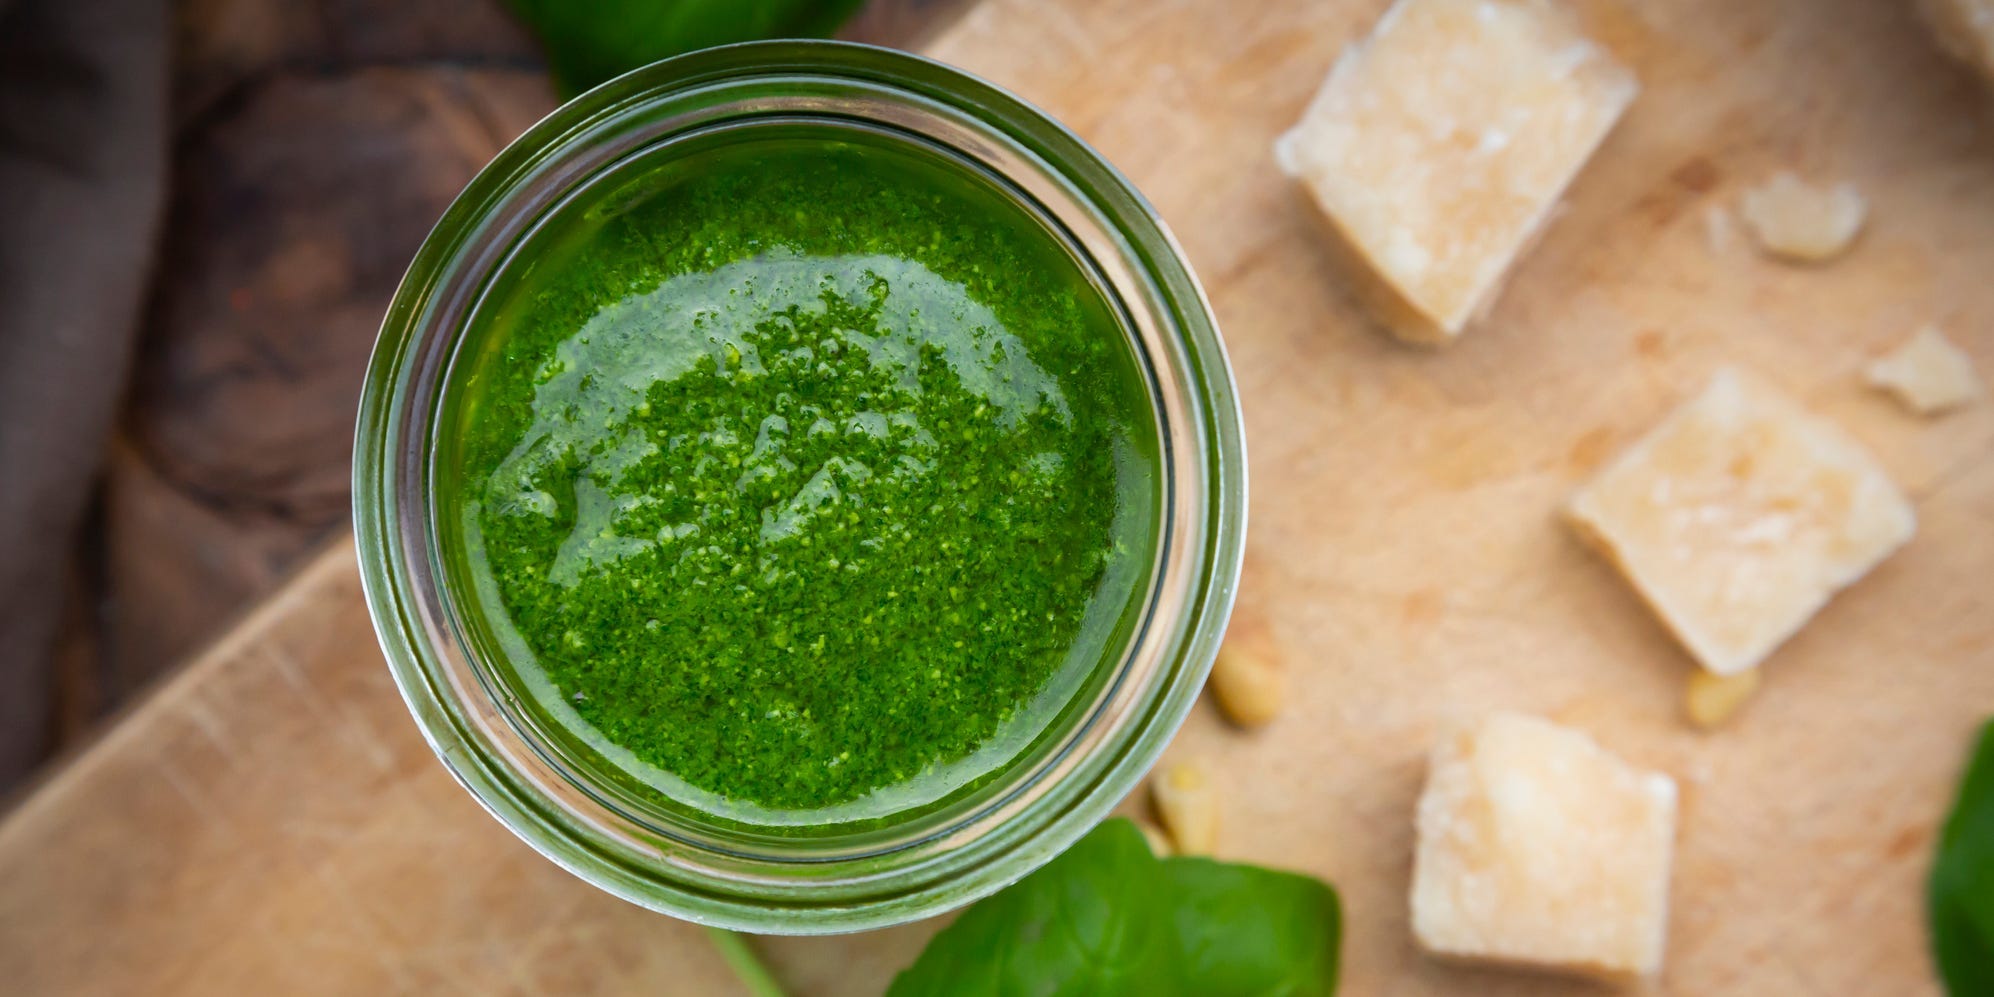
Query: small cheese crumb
[[1538, 848], [1710, 699], [1739, 516], [1965, 28], [1927, 373], [1438, 147], [1795, 220]]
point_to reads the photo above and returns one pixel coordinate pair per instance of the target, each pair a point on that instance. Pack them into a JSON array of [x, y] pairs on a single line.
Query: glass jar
[[833, 878]]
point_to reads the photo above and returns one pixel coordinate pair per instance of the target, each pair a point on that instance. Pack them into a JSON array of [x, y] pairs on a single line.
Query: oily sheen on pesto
[[802, 470]]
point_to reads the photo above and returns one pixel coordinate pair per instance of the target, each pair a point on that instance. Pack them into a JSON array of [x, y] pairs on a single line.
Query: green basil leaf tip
[[589, 41], [1962, 884], [1108, 918]]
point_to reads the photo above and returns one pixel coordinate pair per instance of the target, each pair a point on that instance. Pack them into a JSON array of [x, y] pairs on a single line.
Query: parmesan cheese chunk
[[1966, 29], [1927, 373], [1795, 220], [1537, 847], [1739, 516], [1437, 147]]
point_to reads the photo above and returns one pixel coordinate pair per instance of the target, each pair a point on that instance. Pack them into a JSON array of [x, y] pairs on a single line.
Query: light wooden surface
[[271, 822]]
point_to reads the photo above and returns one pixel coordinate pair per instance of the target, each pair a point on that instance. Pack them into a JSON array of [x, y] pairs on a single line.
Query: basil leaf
[[1109, 918], [589, 41], [1242, 929], [1962, 883], [1084, 924]]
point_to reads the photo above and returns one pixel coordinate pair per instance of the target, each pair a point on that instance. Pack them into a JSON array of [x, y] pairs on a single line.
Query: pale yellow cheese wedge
[[1739, 516], [1966, 29], [1927, 373], [1538, 848], [1438, 147]]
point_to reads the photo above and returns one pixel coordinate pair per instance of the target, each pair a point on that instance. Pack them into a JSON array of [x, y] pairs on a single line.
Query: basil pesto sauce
[[802, 469]]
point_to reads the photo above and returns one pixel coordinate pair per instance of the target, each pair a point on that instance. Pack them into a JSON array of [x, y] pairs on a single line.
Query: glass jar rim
[[466, 721]]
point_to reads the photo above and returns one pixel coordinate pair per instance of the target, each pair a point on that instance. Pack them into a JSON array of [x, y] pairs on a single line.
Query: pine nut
[[1249, 677], [1710, 698], [1186, 801]]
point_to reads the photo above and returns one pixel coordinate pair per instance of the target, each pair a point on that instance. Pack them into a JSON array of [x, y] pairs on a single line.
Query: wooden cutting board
[[270, 821]]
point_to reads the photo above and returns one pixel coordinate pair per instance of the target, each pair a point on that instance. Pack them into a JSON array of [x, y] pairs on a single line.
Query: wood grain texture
[[271, 822], [271, 819], [293, 219]]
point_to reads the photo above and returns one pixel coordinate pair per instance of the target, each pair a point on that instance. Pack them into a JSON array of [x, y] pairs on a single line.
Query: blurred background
[[205, 206]]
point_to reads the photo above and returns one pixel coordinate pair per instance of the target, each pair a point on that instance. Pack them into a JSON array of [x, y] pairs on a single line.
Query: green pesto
[[798, 467]]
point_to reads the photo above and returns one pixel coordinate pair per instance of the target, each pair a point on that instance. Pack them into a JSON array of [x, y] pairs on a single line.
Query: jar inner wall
[[797, 479]]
